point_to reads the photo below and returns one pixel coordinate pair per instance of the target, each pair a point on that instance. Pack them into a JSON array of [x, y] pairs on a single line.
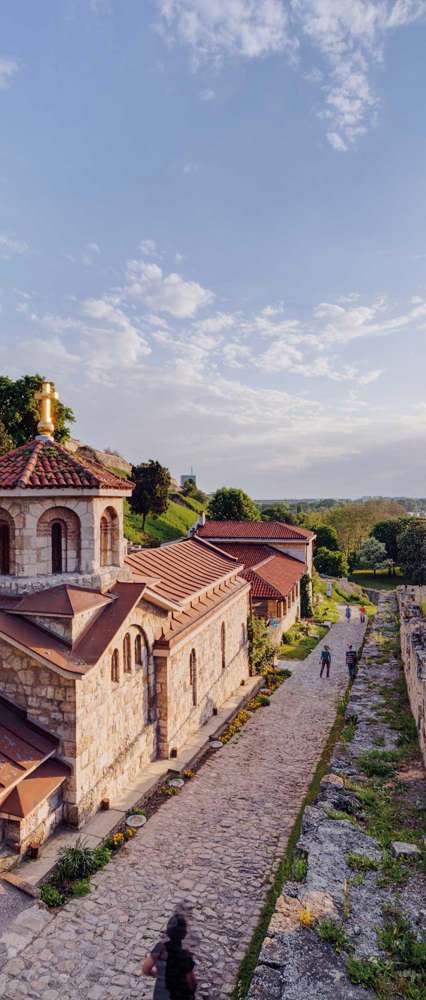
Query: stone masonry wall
[[37, 826], [48, 698], [116, 733], [413, 652], [178, 716]]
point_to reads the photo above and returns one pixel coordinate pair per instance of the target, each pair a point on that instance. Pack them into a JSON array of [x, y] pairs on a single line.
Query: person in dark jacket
[[351, 659], [171, 965], [325, 658]]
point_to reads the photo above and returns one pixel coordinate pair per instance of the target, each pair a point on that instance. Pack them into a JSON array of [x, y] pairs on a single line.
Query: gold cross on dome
[[47, 397]]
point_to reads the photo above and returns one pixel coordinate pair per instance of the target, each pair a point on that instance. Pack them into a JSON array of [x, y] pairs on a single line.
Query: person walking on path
[[351, 658], [172, 966], [348, 613], [325, 658], [362, 614]]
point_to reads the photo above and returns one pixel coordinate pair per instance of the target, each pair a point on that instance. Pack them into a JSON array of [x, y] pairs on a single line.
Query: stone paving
[[214, 846]]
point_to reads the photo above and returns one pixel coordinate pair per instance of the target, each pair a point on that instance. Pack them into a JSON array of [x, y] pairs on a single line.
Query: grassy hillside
[[173, 524]]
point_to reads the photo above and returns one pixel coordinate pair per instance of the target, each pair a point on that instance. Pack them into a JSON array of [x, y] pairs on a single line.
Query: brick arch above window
[[58, 541]]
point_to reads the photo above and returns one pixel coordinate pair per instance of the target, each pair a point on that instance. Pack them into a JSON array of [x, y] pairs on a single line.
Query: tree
[[278, 512], [6, 443], [331, 563], [412, 551], [229, 504], [326, 538], [306, 596], [372, 554], [261, 649], [19, 410], [387, 532], [151, 492]]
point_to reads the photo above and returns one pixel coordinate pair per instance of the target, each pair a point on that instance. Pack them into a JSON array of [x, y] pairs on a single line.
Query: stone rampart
[[413, 652]]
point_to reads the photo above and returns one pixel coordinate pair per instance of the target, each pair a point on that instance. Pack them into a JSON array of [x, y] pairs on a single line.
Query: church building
[[108, 658]]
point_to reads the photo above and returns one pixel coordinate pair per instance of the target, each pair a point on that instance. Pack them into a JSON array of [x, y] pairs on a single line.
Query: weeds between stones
[[299, 869], [361, 862], [402, 974], [333, 932]]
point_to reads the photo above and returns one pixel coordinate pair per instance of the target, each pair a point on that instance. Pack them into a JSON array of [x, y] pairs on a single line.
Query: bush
[[261, 649], [76, 862], [80, 888], [51, 896], [331, 563], [305, 596]]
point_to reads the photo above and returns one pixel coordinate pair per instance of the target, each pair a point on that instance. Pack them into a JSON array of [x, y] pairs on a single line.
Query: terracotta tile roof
[[65, 601], [191, 615], [272, 574], [45, 464], [257, 530], [184, 568], [22, 746], [92, 644], [34, 789]]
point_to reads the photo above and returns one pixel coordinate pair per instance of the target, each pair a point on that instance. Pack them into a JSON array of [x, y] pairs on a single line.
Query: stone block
[[403, 850]]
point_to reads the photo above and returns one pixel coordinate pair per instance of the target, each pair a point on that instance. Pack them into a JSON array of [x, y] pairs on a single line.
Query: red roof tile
[[45, 464], [92, 644], [271, 573], [257, 530], [184, 568], [35, 788], [65, 601]]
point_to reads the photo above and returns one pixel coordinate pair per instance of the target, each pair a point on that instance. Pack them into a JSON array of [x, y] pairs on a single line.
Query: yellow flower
[[306, 917]]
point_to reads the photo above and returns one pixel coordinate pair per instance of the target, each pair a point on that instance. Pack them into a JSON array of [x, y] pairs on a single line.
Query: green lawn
[[175, 523], [382, 580], [301, 639]]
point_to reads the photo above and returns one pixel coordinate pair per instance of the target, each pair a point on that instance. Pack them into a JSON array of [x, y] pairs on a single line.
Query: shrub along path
[[214, 846]]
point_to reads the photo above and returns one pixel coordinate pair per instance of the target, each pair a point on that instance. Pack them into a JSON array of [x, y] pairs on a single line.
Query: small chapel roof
[[22, 746], [255, 530], [63, 601], [44, 464]]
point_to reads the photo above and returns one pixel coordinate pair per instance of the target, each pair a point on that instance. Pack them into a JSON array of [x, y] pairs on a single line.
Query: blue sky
[[212, 233]]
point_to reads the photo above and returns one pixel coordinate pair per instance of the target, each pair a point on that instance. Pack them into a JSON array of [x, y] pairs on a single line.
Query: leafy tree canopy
[[412, 551], [6, 443], [229, 504], [278, 512], [306, 596], [326, 538], [151, 492], [388, 531], [19, 410], [372, 554], [331, 563]]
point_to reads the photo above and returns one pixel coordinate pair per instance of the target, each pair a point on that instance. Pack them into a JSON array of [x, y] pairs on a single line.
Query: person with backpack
[[362, 614], [348, 613], [171, 965], [325, 658], [351, 660]]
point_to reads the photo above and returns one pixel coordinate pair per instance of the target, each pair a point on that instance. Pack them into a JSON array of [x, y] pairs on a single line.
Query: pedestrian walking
[[348, 613], [362, 615], [171, 965], [325, 657], [351, 658]]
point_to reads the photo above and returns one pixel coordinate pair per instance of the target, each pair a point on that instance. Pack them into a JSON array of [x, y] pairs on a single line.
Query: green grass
[[361, 863], [174, 524], [300, 640], [329, 930], [382, 580], [402, 973]]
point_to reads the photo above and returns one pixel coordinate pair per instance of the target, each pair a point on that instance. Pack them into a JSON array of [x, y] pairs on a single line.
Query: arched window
[[115, 666], [110, 538], [193, 675], [59, 547], [127, 654], [138, 649], [4, 548], [223, 644]]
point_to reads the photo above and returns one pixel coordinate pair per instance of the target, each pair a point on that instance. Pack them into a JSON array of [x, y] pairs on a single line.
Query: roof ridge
[[254, 572], [30, 464]]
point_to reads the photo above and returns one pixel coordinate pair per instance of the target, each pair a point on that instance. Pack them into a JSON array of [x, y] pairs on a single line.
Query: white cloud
[[149, 248], [216, 28], [10, 246], [207, 95], [349, 36], [166, 293], [8, 68], [90, 253]]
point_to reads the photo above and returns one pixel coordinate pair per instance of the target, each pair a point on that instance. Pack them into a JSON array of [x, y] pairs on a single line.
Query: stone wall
[[178, 689], [37, 826], [48, 698], [30, 520], [413, 652]]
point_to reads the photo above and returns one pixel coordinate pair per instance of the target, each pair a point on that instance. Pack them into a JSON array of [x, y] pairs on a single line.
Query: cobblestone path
[[214, 846]]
